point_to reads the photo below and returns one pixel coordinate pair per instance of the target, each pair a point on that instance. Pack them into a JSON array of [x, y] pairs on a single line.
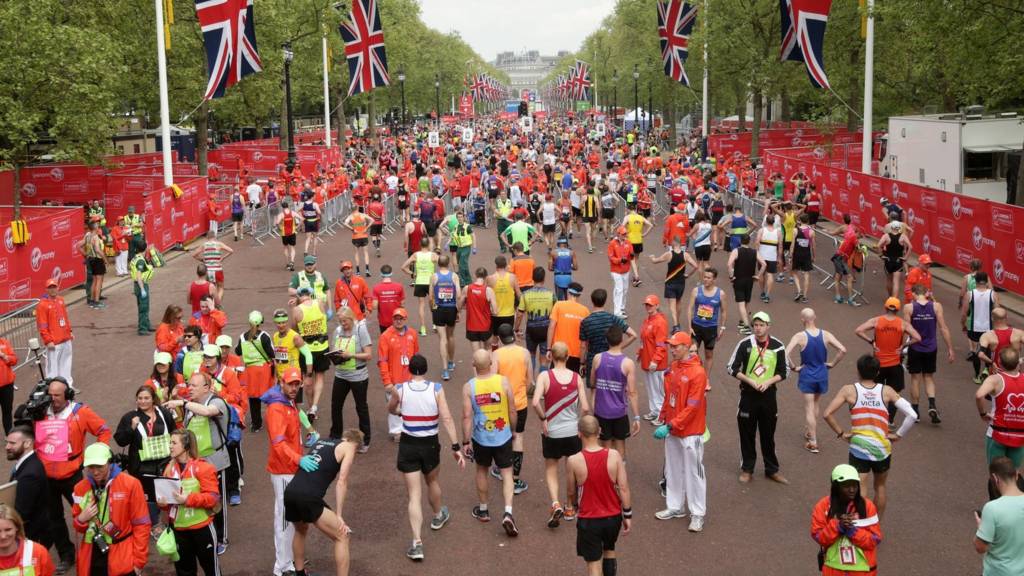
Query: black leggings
[[338, 396], [255, 413], [7, 407], [197, 546]]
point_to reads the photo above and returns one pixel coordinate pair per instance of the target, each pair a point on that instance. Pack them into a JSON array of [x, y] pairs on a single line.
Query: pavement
[[937, 479]]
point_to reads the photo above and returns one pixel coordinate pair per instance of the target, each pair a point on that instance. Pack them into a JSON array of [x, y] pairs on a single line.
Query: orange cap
[[400, 312], [346, 264], [924, 259], [291, 374], [651, 300], [892, 303], [680, 339], [681, 207], [621, 230]]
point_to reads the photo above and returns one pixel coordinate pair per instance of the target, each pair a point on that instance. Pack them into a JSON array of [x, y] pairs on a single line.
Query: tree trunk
[[756, 126], [784, 106], [370, 119], [741, 114], [282, 131], [202, 136]]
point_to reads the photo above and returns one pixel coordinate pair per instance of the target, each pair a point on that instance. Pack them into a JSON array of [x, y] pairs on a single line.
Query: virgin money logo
[[875, 228], [166, 238], [913, 219], [734, 137], [963, 257], [158, 220], [257, 156], [818, 153], [1002, 219], [4, 270], [946, 228], [175, 214], [20, 289], [57, 174], [1001, 273], [1018, 250], [795, 141], [60, 227], [38, 257], [929, 202], [9, 240], [979, 240], [835, 213], [926, 244], [825, 191], [961, 210], [136, 185], [898, 194], [114, 202], [29, 189], [61, 275], [862, 203], [785, 166], [844, 198], [799, 132], [164, 199], [815, 173], [833, 177], [875, 186], [851, 182]]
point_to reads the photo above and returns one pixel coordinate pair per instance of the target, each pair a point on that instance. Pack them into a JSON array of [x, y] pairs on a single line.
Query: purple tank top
[[922, 318], [610, 384]]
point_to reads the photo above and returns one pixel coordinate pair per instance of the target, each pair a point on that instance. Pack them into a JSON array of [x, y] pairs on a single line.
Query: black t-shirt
[[314, 485], [746, 263]]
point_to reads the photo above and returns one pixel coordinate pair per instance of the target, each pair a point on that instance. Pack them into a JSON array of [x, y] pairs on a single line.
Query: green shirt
[[1002, 526], [519, 232]]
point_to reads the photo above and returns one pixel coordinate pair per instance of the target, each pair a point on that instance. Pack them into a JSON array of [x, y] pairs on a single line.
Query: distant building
[[526, 69]]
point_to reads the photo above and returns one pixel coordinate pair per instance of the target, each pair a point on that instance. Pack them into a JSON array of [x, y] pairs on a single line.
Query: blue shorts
[[812, 387]]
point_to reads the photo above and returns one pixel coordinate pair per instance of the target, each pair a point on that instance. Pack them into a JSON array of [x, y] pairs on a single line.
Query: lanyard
[[761, 350]]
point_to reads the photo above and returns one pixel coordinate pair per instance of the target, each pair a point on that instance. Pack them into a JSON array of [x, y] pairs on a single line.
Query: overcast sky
[[492, 26]]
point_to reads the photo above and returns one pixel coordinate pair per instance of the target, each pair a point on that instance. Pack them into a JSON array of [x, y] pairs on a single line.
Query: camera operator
[[63, 475], [111, 514]]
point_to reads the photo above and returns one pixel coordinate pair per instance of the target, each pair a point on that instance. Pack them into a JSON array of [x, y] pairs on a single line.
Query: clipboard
[[335, 357], [158, 487]]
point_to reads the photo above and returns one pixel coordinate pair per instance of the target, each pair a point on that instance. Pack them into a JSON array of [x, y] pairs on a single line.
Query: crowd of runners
[[553, 354]]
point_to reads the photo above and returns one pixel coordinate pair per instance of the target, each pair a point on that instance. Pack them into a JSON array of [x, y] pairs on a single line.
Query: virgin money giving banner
[[50, 253], [952, 228]]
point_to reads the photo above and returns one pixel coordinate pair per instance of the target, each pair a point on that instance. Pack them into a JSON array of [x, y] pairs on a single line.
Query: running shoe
[[438, 522], [934, 415], [415, 551], [803, 298], [445, 375], [481, 515], [312, 439], [663, 486], [368, 274], [495, 473], [812, 447], [767, 299], [235, 500], [696, 524], [853, 302], [838, 299], [675, 329], [797, 297], [509, 524], [519, 486], [423, 330], [363, 448], [222, 547], [978, 379], [668, 514], [451, 365], [657, 422], [650, 416], [556, 515]]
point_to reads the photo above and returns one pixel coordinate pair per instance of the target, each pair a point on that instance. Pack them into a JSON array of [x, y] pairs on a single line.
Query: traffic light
[[524, 109]]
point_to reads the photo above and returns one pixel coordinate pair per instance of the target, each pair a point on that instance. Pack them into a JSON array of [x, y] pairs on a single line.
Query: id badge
[[405, 360], [344, 303], [846, 554], [672, 400], [759, 370]]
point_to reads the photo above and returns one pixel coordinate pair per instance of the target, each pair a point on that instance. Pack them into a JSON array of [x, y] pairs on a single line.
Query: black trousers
[[255, 413], [197, 546], [61, 490], [220, 520], [234, 472], [758, 414], [338, 396], [7, 407]]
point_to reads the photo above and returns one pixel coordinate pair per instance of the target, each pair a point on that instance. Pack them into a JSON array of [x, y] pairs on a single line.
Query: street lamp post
[[636, 95], [615, 94], [288, 55], [650, 109], [401, 83], [437, 98]]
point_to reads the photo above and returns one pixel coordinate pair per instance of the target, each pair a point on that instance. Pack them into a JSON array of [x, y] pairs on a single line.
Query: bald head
[[999, 315], [588, 426], [482, 361], [807, 316]]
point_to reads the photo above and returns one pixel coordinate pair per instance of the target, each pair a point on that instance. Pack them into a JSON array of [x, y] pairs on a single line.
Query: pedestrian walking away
[[812, 371]]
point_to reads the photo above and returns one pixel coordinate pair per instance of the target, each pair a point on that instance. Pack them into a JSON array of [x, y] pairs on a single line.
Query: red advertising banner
[[738, 144], [466, 105], [50, 252], [952, 228]]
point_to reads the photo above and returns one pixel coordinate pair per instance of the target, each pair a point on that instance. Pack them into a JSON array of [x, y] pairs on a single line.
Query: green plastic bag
[[166, 545]]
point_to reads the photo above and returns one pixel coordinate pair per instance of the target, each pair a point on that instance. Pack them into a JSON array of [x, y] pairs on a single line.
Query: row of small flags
[[485, 87], [570, 86]]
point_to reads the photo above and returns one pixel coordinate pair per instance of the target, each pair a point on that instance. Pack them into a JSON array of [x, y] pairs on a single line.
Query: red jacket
[[52, 320], [355, 295], [825, 531], [208, 495], [212, 324], [130, 517], [284, 431], [653, 334], [620, 253], [81, 420], [393, 353], [676, 226], [6, 371], [685, 408]]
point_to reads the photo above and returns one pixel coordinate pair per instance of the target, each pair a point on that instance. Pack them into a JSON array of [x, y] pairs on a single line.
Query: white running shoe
[[696, 523], [668, 514]]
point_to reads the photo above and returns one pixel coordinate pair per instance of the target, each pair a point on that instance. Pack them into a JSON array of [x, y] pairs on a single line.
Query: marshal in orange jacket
[[685, 406], [825, 531], [393, 353], [208, 495], [130, 517]]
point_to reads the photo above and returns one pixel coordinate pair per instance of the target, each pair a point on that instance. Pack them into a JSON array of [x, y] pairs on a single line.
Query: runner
[[479, 302], [620, 260], [843, 261], [594, 329], [309, 319], [445, 290], [745, 265], [890, 335], [287, 226], [609, 202], [1005, 433], [708, 313], [549, 220], [394, 349], [684, 414], [422, 405], [359, 223], [976, 319], [487, 418], [535, 305], [564, 399], [894, 247], [512, 362], [759, 363], [420, 267], [700, 235], [376, 211], [1001, 336], [352, 292], [636, 228], [310, 223], [812, 371], [920, 274], [675, 276], [653, 357], [869, 437], [521, 266], [926, 316], [801, 258], [311, 278], [597, 476], [388, 295], [414, 234], [589, 208], [768, 242], [737, 225], [506, 291], [213, 252], [566, 317]]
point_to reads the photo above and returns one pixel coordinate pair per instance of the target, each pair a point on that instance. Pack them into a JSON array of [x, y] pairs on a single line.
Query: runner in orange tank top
[[889, 335]]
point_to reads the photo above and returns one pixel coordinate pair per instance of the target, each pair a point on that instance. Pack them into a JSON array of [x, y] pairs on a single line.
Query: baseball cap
[[51, 283], [224, 340], [762, 316], [680, 339], [162, 358], [892, 303], [291, 374], [97, 454], [896, 225], [506, 334], [651, 300], [924, 259], [346, 264], [309, 259], [400, 312], [304, 290], [621, 230], [255, 318], [211, 351], [681, 207], [845, 473]]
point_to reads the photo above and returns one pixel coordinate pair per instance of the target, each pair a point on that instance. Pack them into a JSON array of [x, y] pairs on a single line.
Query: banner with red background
[[50, 253]]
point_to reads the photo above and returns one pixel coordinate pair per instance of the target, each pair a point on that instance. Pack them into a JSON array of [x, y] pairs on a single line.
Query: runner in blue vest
[[813, 370], [562, 261], [708, 313], [444, 291]]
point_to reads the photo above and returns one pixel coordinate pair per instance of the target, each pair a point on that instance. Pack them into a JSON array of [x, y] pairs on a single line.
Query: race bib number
[[446, 293], [281, 355], [705, 312], [846, 554]]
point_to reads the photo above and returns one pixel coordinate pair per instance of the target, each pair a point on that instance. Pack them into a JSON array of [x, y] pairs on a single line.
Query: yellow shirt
[[504, 295], [635, 228]]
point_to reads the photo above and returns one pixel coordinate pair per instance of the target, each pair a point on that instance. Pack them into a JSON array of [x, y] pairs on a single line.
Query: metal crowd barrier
[[262, 223], [18, 326]]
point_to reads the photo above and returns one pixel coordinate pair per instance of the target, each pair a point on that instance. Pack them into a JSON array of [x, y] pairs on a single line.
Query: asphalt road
[[937, 478]]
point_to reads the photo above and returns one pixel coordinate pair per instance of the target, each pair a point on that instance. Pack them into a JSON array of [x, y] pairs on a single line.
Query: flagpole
[[869, 81], [165, 113], [327, 100], [704, 103]]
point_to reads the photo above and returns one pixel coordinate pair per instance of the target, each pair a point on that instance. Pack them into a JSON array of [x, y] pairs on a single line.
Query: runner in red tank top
[[1005, 435], [1001, 336], [479, 303], [199, 288], [598, 476]]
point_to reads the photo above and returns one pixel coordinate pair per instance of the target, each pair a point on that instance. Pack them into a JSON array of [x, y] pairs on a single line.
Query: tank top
[[490, 411], [287, 223], [427, 208], [706, 308], [635, 228], [309, 212], [212, 256], [676, 273], [548, 214], [597, 495], [196, 291], [313, 327], [869, 425], [423, 268], [563, 266], [802, 250], [813, 357], [315, 484], [702, 234], [286, 355], [981, 311], [894, 250], [513, 366], [788, 226], [360, 226], [608, 201], [610, 387], [769, 245], [236, 204], [738, 225], [1004, 337], [746, 263], [504, 296], [922, 318], [419, 408], [416, 236], [561, 406], [444, 290], [1007, 426], [478, 311], [888, 340]]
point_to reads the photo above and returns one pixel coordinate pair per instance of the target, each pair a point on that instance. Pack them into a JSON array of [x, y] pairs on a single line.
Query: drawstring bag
[[166, 545]]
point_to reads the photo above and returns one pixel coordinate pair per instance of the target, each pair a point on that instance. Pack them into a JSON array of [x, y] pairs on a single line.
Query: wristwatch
[[455, 446]]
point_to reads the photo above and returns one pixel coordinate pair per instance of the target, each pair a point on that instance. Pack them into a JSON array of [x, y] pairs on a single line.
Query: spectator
[[1000, 535]]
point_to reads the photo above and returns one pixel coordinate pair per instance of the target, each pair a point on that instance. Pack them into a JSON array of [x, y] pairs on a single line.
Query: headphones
[[69, 392]]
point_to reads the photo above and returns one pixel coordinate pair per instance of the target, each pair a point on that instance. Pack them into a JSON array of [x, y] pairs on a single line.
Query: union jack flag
[[579, 81], [229, 35], [364, 48], [803, 36], [563, 87], [675, 23], [476, 86]]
